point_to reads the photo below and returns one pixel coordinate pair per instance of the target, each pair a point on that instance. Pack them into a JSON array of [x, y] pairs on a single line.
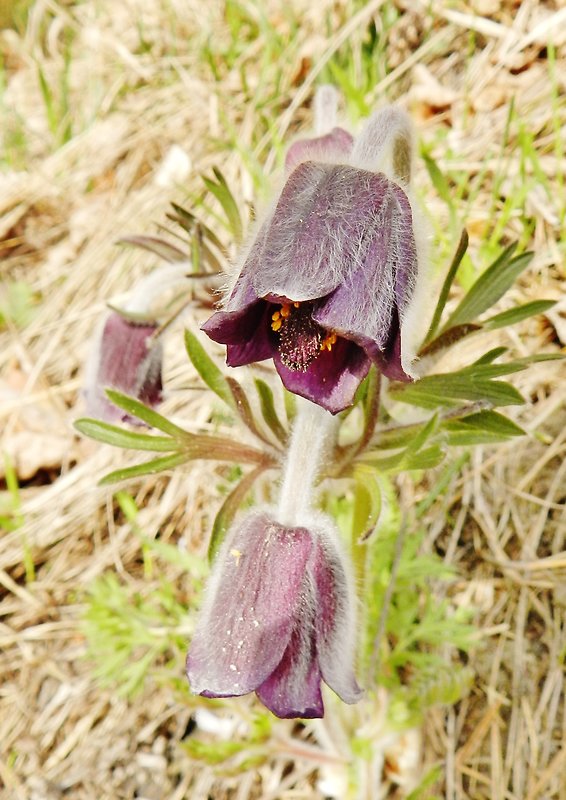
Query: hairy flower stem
[[312, 438]]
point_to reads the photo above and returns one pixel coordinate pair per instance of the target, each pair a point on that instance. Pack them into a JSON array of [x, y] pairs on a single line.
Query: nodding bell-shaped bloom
[[325, 286], [127, 357], [128, 352], [277, 619]]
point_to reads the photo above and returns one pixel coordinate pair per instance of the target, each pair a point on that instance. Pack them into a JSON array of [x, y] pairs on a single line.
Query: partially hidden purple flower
[[325, 286], [277, 619], [127, 357]]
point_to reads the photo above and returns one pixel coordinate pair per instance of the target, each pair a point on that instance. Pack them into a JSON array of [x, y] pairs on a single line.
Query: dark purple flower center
[[301, 339]]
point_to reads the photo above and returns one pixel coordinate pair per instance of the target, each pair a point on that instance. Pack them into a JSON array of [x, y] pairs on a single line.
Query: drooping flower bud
[[277, 619], [128, 358], [128, 354]]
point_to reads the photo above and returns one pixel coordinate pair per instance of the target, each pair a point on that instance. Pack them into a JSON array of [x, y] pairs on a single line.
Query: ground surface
[[93, 97]]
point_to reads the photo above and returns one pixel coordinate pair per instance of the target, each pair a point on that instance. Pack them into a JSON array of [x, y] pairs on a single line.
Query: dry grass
[[137, 85]]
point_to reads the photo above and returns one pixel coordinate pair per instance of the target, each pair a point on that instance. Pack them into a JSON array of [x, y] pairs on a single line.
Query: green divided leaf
[[227, 389], [490, 287], [243, 408]]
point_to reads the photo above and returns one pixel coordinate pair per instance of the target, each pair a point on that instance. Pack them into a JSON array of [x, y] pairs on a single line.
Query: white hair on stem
[[314, 431]]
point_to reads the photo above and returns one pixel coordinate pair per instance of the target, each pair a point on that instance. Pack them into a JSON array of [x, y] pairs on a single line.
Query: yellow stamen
[[279, 317], [328, 341]]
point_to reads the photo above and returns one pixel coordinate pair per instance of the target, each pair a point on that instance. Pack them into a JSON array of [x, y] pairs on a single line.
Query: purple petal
[[387, 359], [332, 147], [293, 689], [331, 379], [318, 231], [128, 359], [368, 304], [335, 622], [247, 333], [250, 605]]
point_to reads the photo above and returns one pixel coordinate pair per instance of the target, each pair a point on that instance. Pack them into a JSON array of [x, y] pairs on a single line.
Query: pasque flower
[[278, 619], [127, 353], [127, 357], [325, 286]]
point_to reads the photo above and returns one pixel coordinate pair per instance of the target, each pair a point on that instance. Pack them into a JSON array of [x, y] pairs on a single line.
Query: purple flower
[[277, 619], [126, 358], [325, 285]]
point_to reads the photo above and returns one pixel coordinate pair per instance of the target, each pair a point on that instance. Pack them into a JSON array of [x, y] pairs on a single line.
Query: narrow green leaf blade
[[267, 404], [448, 281], [165, 250], [445, 390], [448, 338], [147, 468], [484, 427], [120, 437], [244, 410], [207, 369], [368, 502], [438, 180], [146, 414], [229, 509], [517, 314], [490, 287], [189, 222], [426, 458], [226, 199]]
